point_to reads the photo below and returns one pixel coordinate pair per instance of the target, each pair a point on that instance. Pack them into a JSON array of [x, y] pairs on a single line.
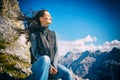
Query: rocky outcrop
[[14, 52]]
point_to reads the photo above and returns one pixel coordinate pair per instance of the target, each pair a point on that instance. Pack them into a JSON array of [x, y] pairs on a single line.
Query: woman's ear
[[40, 18]]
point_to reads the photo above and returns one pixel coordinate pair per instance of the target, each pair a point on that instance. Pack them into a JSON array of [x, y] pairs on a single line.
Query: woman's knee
[[65, 71], [46, 59], [68, 73]]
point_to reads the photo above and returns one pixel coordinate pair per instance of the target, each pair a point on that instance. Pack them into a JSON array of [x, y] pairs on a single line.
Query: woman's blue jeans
[[41, 67]]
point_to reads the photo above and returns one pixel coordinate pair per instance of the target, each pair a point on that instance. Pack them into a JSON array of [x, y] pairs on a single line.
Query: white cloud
[[107, 46], [81, 45], [88, 39]]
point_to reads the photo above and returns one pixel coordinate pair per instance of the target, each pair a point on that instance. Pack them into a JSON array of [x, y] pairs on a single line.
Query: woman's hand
[[53, 70]]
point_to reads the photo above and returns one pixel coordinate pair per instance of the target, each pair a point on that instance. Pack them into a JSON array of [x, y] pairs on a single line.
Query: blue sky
[[76, 19]]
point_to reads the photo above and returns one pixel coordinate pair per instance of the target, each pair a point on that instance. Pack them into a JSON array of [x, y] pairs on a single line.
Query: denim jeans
[[41, 67]]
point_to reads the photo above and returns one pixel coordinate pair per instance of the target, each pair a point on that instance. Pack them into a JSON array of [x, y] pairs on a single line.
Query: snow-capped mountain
[[94, 65]]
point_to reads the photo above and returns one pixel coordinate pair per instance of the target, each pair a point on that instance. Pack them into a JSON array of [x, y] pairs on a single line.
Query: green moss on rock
[[7, 64], [3, 44]]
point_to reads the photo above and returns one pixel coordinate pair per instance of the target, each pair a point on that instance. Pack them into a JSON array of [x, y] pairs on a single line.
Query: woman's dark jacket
[[43, 42]]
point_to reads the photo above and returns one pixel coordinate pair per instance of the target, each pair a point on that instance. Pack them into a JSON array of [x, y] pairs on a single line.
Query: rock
[[14, 52]]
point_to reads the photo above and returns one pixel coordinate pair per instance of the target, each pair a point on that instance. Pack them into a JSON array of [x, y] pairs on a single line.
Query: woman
[[44, 50]]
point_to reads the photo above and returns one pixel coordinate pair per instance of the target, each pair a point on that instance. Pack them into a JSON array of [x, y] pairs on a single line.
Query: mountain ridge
[[94, 65]]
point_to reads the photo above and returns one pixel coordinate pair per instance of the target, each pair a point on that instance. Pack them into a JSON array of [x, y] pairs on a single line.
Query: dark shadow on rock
[[5, 76]]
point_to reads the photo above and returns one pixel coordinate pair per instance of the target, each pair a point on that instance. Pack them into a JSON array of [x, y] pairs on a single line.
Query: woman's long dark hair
[[33, 24], [38, 15]]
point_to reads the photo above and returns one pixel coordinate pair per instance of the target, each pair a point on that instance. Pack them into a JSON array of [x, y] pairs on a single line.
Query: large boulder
[[14, 52]]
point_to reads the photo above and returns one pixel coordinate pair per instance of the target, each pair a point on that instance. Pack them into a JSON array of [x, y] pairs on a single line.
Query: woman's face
[[46, 19]]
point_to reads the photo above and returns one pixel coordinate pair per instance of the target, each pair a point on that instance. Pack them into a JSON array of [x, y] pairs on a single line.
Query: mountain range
[[94, 65]]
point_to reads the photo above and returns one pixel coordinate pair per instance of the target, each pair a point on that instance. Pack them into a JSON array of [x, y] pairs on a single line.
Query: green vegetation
[[7, 63], [3, 44]]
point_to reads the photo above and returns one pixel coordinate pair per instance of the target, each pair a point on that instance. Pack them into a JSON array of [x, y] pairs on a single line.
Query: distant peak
[[67, 54], [114, 49]]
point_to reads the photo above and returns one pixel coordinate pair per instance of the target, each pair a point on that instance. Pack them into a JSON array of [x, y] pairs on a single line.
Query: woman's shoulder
[[53, 32]]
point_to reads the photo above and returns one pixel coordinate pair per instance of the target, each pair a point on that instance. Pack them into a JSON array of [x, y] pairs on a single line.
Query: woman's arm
[[55, 62]]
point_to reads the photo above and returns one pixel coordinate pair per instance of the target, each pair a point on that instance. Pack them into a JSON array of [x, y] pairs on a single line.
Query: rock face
[[14, 53]]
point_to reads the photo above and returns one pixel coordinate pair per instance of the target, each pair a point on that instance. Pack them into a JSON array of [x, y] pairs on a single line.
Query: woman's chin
[[50, 22]]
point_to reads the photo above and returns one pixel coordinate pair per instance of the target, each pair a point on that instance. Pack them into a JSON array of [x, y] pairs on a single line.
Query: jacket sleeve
[[33, 47], [33, 43], [55, 62]]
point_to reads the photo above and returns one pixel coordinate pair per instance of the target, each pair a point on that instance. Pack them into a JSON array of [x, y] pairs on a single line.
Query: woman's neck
[[44, 25]]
